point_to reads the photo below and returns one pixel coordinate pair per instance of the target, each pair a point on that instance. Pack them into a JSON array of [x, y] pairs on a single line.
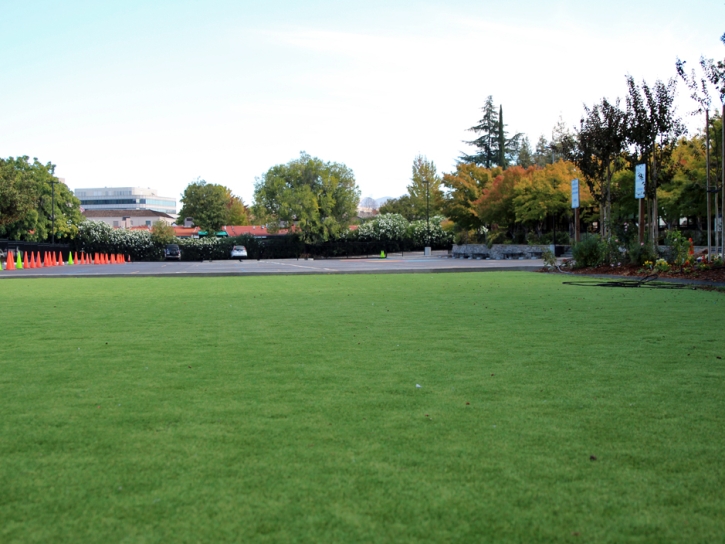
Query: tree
[[26, 202], [487, 129], [597, 150], [526, 155], [495, 148], [401, 206], [653, 130], [545, 193], [236, 212], [463, 189], [495, 205], [425, 184], [206, 203], [319, 198], [162, 233], [543, 154]]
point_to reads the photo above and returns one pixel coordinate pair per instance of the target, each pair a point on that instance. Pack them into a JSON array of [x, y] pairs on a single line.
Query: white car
[[239, 252]]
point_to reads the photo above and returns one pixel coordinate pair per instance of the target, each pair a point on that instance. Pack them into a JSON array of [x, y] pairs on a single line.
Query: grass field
[[278, 409]]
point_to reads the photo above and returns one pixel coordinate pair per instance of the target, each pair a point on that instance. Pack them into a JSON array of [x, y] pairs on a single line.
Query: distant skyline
[[156, 94]]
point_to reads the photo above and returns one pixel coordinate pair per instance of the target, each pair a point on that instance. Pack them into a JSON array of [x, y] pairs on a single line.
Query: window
[[148, 223], [115, 224]]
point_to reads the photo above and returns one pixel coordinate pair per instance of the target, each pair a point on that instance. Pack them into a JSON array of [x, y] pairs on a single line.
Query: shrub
[[389, 227], [549, 258], [418, 233], [639, 254], [589, 252], [679, 247]]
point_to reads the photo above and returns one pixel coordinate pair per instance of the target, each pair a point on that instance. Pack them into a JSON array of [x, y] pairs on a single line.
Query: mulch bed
[[714, 275]]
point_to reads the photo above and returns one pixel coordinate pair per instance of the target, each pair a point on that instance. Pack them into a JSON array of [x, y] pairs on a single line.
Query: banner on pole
[[575, 193], [640, 174]]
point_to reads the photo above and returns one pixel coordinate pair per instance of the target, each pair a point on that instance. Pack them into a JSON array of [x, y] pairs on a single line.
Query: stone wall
[[498, 251]]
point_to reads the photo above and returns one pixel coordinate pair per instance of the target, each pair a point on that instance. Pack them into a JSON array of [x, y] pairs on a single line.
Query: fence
[[32, 247]]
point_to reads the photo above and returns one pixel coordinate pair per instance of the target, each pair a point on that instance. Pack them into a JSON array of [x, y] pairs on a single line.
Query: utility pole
[[427, 206], [707, 182], [52, 208], [722, 181]]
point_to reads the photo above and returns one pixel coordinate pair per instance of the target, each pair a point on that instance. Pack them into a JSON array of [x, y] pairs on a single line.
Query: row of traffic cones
[[50, 258]]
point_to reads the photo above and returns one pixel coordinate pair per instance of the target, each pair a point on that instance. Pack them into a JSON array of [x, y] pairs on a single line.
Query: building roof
[[254, 230], [125, 213]]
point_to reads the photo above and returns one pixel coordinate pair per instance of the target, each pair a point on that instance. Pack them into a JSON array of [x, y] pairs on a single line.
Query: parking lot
[[390, 265]]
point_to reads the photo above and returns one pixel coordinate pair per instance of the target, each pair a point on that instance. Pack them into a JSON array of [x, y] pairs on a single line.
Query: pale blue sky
[[157, 93]]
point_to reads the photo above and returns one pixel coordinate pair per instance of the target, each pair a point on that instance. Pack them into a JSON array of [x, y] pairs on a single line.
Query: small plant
[[679, 247], [661, 265], [549, 258], [639, 254]]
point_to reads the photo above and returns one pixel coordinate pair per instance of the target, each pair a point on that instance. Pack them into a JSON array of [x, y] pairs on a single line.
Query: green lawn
[[277, 409]]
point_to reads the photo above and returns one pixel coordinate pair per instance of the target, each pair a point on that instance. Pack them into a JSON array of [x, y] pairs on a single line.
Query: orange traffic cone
[[10, 264], [121, 259], [113, 259], [38, 261], [26, 262], [60, 259], [45, 259], [33, 264], [75, 258], [30, 263]]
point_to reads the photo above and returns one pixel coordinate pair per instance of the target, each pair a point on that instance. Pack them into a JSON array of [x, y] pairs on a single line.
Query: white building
[[127, 219], [125, 198]]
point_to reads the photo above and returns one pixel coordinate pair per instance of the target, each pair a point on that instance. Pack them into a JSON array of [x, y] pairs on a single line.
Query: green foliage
[[679, 247], [319, 198], [162, 233], [206, 203], [26, 202], [640, 254], [425, 181], [493, 146], [589, 252], [402, 206], [549, 258]]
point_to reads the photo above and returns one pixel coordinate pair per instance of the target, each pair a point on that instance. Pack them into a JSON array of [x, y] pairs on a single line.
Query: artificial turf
[[279, 409]]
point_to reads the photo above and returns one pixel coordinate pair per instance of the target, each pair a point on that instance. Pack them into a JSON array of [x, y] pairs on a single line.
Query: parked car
[[239, 252], [173, 252]]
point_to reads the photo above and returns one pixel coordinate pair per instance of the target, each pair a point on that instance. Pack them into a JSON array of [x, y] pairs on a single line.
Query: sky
[[159, 93]]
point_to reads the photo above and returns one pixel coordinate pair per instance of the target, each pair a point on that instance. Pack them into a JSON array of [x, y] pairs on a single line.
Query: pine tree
[[494, 147], [486, 143], [526, 157]]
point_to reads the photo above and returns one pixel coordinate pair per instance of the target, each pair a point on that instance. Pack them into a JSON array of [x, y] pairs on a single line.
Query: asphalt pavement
[[390, 265]]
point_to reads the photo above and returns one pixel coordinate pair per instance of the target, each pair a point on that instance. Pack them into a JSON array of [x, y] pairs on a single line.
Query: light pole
[[52, 209], [427, 207]]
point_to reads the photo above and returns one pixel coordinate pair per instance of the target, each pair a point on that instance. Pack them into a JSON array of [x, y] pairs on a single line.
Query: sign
[[640, 174], [575, 193]]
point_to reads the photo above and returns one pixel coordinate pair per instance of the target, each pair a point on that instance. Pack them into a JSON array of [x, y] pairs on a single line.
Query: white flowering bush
[[418, 233], [95, 236], [389, 227]]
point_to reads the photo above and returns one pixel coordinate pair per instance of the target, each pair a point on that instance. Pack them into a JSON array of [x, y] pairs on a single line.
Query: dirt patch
[[714, 275]]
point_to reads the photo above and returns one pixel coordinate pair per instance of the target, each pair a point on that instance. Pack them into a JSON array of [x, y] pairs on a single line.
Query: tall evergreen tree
[[486, 143], [494, 147], [501, 139]]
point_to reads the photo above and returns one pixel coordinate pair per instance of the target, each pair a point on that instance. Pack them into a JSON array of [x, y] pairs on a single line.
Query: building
[[126, 219], [125, 198]]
